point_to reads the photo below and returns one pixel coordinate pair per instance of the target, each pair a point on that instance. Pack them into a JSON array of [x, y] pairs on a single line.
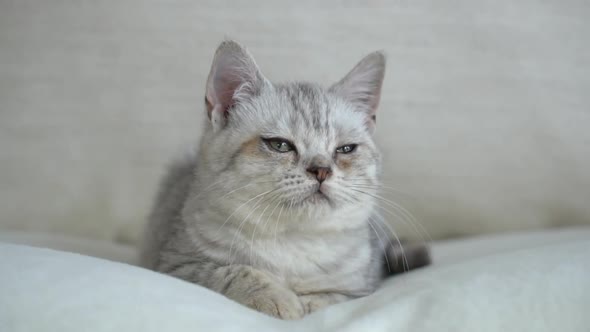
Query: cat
[[277, 209]]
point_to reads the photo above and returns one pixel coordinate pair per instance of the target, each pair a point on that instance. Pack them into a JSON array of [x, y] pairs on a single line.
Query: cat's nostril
[[321, 173]]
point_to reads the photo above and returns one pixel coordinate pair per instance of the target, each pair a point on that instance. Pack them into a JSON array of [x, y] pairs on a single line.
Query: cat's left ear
[[362, 86], [234, 78]]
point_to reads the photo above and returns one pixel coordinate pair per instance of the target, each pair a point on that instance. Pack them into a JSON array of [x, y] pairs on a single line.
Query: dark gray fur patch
[[413, 256]]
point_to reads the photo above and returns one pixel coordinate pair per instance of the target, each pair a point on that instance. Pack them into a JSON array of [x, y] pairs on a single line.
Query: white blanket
[[544, 287]]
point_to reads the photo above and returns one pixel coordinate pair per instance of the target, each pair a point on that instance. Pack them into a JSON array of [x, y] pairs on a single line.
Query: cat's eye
[[279, 144], [346, 148]]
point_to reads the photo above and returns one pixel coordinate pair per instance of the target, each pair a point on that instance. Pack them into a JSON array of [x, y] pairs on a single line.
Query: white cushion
[[544, 287]]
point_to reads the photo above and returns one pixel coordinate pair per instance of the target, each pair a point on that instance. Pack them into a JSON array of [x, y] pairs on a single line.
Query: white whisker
[[273, 199], [243, 222], [380, 243], [239, 207], [407, 217], [405, 264], [240, 188]]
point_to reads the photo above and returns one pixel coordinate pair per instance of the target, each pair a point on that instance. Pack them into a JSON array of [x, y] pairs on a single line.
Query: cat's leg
[[256, 289], [316, 301]]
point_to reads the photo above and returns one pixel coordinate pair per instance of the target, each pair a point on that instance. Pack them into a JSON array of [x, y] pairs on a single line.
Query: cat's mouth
[[318, 196]]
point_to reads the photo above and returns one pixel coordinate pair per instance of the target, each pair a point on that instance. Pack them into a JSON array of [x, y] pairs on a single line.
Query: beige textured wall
[[485, 119]]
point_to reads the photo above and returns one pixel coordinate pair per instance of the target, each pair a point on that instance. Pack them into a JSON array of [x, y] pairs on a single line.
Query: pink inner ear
[[226, 82], [234, 76], [220, 93]]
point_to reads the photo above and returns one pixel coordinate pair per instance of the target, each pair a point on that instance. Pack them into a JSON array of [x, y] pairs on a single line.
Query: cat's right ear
[[362, 86], [234, 77]]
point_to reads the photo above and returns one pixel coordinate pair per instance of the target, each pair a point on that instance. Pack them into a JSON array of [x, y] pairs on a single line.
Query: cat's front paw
[[278, 303], [257, 290]]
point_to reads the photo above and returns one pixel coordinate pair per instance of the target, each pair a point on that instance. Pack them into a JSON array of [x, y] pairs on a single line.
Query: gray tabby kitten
[[277, 209]]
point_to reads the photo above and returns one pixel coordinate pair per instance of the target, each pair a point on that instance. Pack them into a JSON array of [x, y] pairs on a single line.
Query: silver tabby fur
[[255, 224]]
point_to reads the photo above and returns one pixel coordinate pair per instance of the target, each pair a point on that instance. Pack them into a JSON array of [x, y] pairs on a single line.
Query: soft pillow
[[543, 288]]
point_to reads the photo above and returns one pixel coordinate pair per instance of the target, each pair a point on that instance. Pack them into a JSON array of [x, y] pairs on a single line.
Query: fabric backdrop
[[484, 121]]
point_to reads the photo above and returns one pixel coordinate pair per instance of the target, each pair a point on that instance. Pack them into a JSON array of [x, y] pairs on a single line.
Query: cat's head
[[297, 146]]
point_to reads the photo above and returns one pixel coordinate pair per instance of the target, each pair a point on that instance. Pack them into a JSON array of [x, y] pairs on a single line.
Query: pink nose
[[321, 173]]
